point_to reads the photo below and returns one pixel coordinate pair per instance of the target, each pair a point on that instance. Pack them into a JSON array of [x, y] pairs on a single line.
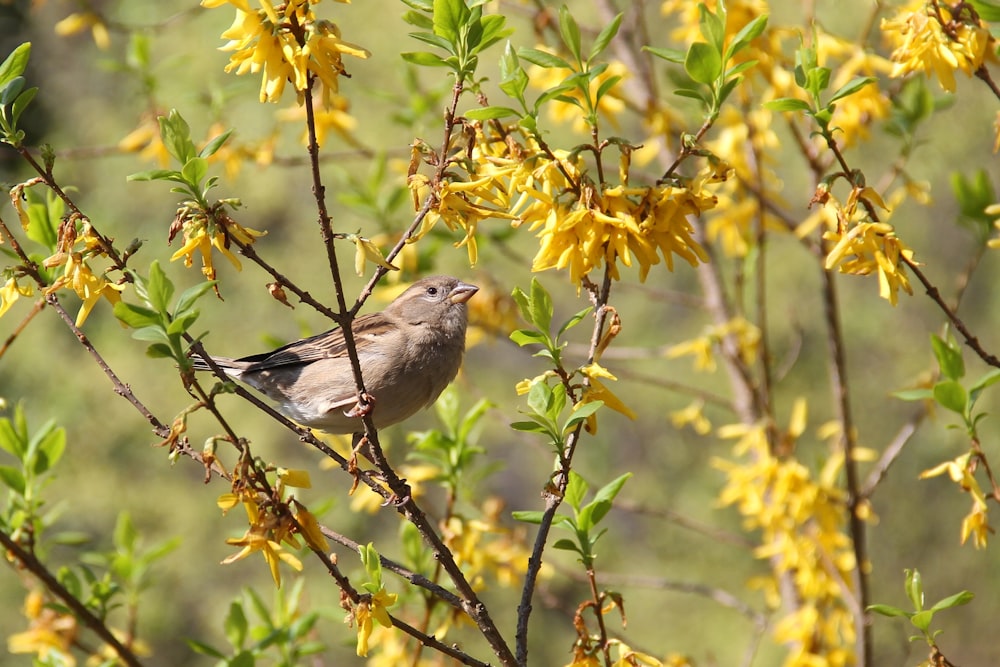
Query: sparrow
[[409, 353]]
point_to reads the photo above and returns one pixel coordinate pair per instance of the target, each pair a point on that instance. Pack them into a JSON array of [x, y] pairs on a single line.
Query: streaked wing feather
[[327, 345]]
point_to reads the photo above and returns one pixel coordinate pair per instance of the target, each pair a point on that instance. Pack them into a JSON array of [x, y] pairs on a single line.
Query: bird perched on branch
[[409, 353]]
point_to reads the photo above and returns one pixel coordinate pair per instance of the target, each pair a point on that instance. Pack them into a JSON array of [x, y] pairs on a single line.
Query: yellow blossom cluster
[[927, 38], [960, 470], [801, 521], [51, 633], [286, 43], [581, 226], [273, 524], [203, 232], [743, 333]]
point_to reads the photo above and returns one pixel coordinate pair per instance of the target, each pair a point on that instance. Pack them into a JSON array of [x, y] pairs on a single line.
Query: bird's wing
[[327, 345]]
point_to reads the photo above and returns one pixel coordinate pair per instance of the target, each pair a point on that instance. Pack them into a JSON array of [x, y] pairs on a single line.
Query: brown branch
[[80, 610], [936, 297]]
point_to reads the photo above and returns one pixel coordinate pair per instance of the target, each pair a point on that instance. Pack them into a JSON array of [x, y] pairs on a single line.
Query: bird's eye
[[432, 291]]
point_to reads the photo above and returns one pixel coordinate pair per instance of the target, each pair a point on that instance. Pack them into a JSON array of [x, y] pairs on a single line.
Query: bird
[[408, 353]]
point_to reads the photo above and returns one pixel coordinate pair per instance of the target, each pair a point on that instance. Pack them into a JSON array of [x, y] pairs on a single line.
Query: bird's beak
[[462, 292]]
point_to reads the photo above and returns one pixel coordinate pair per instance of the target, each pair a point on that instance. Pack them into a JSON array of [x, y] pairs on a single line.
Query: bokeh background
[[669, 535]]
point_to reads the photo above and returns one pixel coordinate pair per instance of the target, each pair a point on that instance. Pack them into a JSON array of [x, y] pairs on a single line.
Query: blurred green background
[[89, 101]]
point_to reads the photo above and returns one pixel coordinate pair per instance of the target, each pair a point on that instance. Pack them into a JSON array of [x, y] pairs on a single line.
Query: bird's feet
[[363, 407]]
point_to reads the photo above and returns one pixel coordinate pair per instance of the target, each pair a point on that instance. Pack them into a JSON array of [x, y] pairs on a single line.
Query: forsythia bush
[[652, 182]]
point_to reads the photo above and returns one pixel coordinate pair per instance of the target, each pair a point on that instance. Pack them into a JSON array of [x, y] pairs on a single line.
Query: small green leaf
[[605, 37], [949, 358], [570, 32], [190, 295], [671, 55], [236, 625], [787, 104], [159, 288], [213, 146], [540, 398], [887, 610], [424, 59], [528, 337], [159, 351], [449, 17], [922, 619], [542, 58], [607, 493], [529, 427], [851, 87], [135, 316], [956, 600], [14, 65], [703, 63], [12, 479], [541, 306], [747, 34], [155, 175], [490, 113], [712, 27], [528, 516], [951, 395], [914, 589], [195, 170], [914, 394], [566, 545], [573, 321], [576, 490], [581, 412], [176, 135]]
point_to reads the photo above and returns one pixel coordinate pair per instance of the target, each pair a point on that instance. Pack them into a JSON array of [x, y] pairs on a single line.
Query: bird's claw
[[363, 407]]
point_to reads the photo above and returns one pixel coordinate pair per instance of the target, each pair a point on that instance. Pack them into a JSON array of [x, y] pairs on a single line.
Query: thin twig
[[80, 610]]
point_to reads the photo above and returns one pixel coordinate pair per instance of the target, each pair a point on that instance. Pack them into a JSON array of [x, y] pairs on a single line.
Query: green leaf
[[176, 135], [787, 104], [236, 625], [608, 492], [529, 427], [988, 11], [573, 321], [152, 334], [540, 398], [951, 395], [982, 383], [712, 27], [155, 175], [922, 619], [541, 306], [21, 103], [887, 610], [914, 588], [703, 63], [50, 450], [542, 58], [449, 17], [528, 337], [434, 40], [190, 295], [581, 412], [14, 65], [528, 516], [135, 316], [424, 59], [570, 32], [851, 87], [194, 170], [205, 649], [605, 37], [914, 394], [576, 490], [566, 545], [671, 55], [213, 146], [493, 31], [489, 113], [181, 324], [747, 34], [949, 358], [160, 351], [159, 288], [12, 479], [956, 600]]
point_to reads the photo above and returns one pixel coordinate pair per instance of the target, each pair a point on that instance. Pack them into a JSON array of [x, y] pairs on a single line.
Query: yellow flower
[[375, 608], [50, 635], [79, 21], [265, 534], [11, 292], [597, 391], [201, 235], [922, 43], [79, 277], [694, 415], [146, 140], [263, 41]]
